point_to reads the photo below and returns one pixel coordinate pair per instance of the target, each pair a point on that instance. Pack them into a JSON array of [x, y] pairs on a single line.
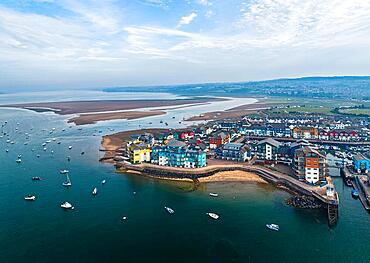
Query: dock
[[269, 175], [363, 192]]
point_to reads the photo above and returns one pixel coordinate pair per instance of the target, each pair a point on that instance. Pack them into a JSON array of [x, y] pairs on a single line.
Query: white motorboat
[[103, 182], [48, 141], [274, 227], [44, 144], [19, 160], [67, 205], [124, 218], [169, 210], [70, 147], [95, 191], [64, 171], [36, 178], [213, 215], [30, 198], [213, 194]]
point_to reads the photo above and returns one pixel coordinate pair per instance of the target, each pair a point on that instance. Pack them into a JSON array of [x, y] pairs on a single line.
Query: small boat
[[169, 210], [30, 198], [354, 193], [95, 191], [213, 194], [67, 183], [103, 182], [213, 215], [44, 144], [19, 160], [64, 171], [7, 150], [45, 149], [273, 227], [124, 218], [68, 158], [82, 153], [48, 141], [67, 205], [161, 121], [36, 178], [38, 156], [58, 142], [70, 147]]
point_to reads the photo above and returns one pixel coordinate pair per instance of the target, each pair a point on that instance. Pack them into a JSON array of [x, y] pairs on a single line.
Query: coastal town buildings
[[218, 138], [139, 153], [238, 152], [302, 132], [310, 165], [268, 150], [178, 154]]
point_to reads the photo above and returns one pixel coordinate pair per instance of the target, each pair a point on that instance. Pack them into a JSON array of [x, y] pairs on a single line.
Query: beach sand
[[232, 176]]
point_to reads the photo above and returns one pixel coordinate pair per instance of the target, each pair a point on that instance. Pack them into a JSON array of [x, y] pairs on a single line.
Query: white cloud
[[186, 20]]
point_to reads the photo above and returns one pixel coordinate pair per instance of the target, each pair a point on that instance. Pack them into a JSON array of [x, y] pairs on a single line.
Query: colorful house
[[139, 153], [305, 133], [310, 165], [177, 154], [219, 138]]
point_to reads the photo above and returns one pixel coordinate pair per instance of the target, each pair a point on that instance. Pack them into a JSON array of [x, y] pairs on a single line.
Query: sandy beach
[[128, 115], [232, 176]]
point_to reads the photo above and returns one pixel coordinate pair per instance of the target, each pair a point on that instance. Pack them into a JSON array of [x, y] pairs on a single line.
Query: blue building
[[234, 152], [177, 154], [361, 163]]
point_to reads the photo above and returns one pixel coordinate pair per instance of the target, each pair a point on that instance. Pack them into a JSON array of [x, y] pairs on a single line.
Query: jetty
[[325, 194]]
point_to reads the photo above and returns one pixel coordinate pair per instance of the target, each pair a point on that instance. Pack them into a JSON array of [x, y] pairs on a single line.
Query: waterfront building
[[178, 154], [218, 138], [234, 152], [268, 150], [278, 130], [310, 165], [139, 153], [361, 163]]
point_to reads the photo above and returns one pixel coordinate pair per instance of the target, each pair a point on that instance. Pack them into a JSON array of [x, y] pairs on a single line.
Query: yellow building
[[139, 153]]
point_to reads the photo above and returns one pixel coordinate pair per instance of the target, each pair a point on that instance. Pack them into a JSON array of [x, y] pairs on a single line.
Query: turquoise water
[[41, 231]]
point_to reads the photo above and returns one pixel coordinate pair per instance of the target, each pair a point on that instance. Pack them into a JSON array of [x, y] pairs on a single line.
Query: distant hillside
[[320, 87]]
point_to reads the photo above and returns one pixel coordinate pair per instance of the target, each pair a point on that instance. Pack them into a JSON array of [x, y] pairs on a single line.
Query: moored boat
[[19, 160], [169, 210], [213, 194], [36, 178], [64, 171], [354, 193], [95, 191], [67, 205], [30, 198], [213, 215], [103, 182], [273, 227]]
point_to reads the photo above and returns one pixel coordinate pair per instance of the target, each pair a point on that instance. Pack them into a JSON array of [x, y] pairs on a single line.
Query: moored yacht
[[273, 227], [64, 171], [30, 198], [19, 160], [213, 215], [213, 194], [67, 205], [103, 182], [169, 210], [95, 191]]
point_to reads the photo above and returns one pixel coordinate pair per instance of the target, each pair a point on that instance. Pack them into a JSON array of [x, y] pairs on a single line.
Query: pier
[[269, 175]]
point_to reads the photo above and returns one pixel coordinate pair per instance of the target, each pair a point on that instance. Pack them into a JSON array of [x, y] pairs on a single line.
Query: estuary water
[[41, 231]]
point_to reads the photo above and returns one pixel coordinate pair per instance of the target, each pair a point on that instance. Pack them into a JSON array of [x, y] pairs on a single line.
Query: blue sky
[[46, 44]]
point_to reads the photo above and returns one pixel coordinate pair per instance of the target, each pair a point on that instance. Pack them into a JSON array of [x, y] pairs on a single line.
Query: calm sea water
[[41, 231]]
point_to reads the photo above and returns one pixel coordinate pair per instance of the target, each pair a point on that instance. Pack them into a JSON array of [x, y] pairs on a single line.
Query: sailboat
[[68, 182]]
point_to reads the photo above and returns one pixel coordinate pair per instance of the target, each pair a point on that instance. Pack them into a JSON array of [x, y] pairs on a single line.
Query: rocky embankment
[[303, 201]]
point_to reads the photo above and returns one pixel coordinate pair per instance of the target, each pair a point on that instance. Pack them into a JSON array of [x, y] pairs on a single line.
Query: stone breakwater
[[303, 201]]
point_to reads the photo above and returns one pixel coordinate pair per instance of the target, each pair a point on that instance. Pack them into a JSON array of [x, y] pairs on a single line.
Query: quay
[[272, 176]]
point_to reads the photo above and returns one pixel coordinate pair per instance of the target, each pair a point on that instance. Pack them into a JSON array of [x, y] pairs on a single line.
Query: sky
[[56, 44]]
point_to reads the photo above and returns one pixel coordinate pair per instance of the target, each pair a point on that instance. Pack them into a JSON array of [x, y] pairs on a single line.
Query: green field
[[365, 111]]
